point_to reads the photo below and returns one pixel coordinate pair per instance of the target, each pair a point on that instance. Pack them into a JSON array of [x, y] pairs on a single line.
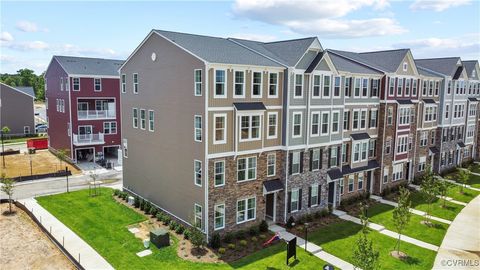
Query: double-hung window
[[414, 87], [315, 159], [220, 84], [397, 171], [336, 87], [197, 216], [151, 120], [239, 84], [386, 170], [407, 87], [76, 84], [124, 83], [363, 119], [391, 86], [335, 122], [143, 120], [220, 129], [271, 164], [373, 119], [372, 148], [326, 85], [297, 125], [135, 83], [360, 181], [402, 144], [356, 119], [273, 85], [364, 87], [61, 84], [198, 82], [356, 152], [344, 153], [315, 129], [272, 125], [250, 127], [295, 162], [374, 88], [219, 216], [135, 117], [97, 84], [333, 156], [325, 122], [350, 182], [246, 210], [356, 92], [198, 128], [294, 200], [399, 87], [246, 169], [257, 85], [219, 173], [316, 86], [110, 127], [364, 150], [314, 195], [346, 120], [197, 172], [347, 87], [340, 185], [298, 86], [423, 138]]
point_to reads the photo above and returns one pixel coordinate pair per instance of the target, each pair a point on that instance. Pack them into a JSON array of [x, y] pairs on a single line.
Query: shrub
[[324, 212], [231, 246], [186, 234], [309, 217], [136, 202], [180, 229], [142, 204], [215, 241], [153, 211], [254, 230], [317, 214], [166, 220], [263, 226], [243, 243], [173, 225], [330, 209], [116, 192], [221, 250], [196, 238], [290, 222], [240, 234], [262, 236], [254, 239], [228, 237], [159, 216], [147, 207], [125, 196]]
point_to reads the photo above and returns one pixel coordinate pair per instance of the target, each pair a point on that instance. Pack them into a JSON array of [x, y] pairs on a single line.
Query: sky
[[32, 32]]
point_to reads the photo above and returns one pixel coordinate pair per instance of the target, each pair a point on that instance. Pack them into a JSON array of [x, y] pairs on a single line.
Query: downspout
[[286, 94], [70, 115], [385, 90], [206, 115]]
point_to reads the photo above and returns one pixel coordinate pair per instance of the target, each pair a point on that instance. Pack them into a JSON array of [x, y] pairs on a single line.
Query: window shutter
[[329, 156], [311, 161], [309, 196], [346, 152], [299, 199], [289, 202], [301, 162], [369, 119], [321, 158], [319, 194], [290, 160], [371, 87], [339, 156]]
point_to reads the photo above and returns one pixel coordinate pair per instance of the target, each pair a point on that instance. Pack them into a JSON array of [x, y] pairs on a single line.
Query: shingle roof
[[360, 136], [458, 73], [89, 66], [426, 72], [26, 89], [352, 56], [335, 174], [346, 65], [287, 52], [249, 106], [404, 101], [469, 66], [389, 60], [217, 50], [429, 101], [273, 185], [371, 165], [445, 66]]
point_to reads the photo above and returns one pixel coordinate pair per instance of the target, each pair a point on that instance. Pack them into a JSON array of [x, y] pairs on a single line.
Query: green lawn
[[475, 168], [340, 238], [473, 180], [383, 213], [467, 195], [449, 212], [102, 223]]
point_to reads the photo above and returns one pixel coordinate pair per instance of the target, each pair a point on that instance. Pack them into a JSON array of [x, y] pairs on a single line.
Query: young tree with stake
[[364, 255], [463, 176], [401, 216], [429, 189], [8, 187]]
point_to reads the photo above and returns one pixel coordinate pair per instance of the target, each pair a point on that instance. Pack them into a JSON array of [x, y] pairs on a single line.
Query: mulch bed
[[354, 208], [239, 251], [315, 224]]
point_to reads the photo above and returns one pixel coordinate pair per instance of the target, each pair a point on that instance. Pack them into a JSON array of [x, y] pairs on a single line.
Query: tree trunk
[[10, 203]]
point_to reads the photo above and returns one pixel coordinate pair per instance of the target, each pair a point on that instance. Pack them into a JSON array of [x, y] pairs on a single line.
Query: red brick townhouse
[[83, 107]]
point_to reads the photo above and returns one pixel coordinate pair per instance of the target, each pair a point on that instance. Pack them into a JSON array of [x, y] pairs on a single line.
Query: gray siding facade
[[16, 110]]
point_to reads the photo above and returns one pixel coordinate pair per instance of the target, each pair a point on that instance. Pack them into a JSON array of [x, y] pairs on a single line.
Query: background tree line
[[26, 77]]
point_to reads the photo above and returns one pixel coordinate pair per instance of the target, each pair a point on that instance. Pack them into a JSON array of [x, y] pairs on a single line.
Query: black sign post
[[66, 174], [291, 248]]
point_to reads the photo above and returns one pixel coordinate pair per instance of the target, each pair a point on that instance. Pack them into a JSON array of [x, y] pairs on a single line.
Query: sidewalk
[[312, 248], [462, 241], [441, 197], [89, 258], [379, 228], [414, 211], [458, 184]]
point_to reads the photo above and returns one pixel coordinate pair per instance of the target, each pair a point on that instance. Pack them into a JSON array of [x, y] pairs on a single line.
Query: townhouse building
[[456, 127], [472, 69], [17, 109], [82, 97]]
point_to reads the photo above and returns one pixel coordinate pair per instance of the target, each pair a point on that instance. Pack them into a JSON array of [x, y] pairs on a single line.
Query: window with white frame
[[364, 155], [135, 117], [373, 119], [314, 195], [472, 110], [390, 116], [198, 216], [325, 122], [386, 170], [197, 172], [76, 84], [294, 200], [135, 83], [356, 92], [220, 84], [110, 127], [432, 137], [61, 84], [447, 110], [346, 120], [356, 119], [315, 159], [360, 181], [333, 156], [326, 85], [356, 152], [219, 173], [273, 85], [257, 85], [97, 83], [421, 164], [125, 148], [239, 84], [407, 87], [335, 122], [298, 86], [351, 181], [404, 118], [315, 129], [364, 87], [470, 131], [372, 148], [430, 89], [219, 216], [347, 87], [402, 145], [340, 185], [250, 127], [197, 128], [297, 125], [391, 86], [246, 169], [405, 66], [336, 87], [317, 79], [374, 88], [414, 87], [26, 130], [67, 84], [399, 86], [220, 128], [363, 119], [430, 113], [124, 83], [151, 120], [423, 138], [296, 162], [344, 153], [272, 125], [246, 210], [437, 87], [271, 164], [198, 82], [143, 120], [397, 172], [449, 87]]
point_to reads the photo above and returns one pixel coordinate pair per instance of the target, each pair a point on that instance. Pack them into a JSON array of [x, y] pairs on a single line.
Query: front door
[[331, 193], [407, 171], [270, 206], [369, 181]]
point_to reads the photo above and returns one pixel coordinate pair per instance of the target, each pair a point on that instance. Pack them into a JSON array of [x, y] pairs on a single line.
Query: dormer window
[[405, 66]]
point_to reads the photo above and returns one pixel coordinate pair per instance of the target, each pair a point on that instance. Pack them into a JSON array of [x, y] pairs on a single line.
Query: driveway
[[460, 248]]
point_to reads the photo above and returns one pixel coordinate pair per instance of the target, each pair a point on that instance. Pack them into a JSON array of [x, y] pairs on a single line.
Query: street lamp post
[[66, 174]]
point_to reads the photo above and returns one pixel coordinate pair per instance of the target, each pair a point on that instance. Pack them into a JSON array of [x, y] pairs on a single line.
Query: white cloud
[[27, 26], [6, 36], [27, 45], [437, 5], [80, 51], [325, 18], [256, 37]]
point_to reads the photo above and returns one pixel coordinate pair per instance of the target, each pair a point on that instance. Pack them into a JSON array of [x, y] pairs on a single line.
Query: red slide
[[274, 238]]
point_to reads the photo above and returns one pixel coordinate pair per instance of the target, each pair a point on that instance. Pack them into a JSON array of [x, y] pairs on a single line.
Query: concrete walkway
[[413, 211], [442, 197], [460, 248], [379, 228], [458, 184], [317, 251], [89, 258]]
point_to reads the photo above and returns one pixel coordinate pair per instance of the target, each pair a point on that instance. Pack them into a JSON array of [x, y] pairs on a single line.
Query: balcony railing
[[89, 115], [88, 139]]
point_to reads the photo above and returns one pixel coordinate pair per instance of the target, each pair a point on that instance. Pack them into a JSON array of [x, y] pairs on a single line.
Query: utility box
[[160, 238]]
